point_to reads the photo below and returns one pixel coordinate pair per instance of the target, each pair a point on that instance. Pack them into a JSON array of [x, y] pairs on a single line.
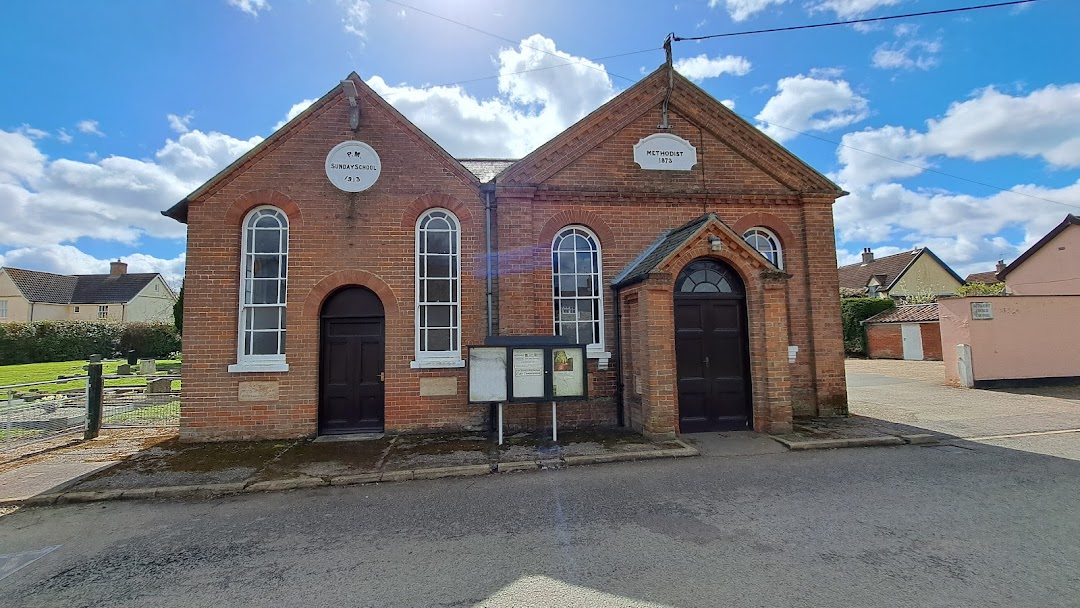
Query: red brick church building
[[697, 262]]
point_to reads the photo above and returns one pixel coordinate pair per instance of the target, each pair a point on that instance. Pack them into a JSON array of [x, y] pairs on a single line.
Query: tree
[[981, 289], [178, 311], [923, 296]]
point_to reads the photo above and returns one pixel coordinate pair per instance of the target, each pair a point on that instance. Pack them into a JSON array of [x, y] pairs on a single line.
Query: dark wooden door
[[711, 349], [351, 367]]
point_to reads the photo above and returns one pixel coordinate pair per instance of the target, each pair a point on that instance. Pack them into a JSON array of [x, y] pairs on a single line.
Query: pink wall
[[1052, 270], [1029, 337]]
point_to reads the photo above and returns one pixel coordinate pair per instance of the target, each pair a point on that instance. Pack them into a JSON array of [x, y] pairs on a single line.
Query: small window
[[103, 312], [766, 243], [3, 309], [76, 309], [438, 290], [577, 291]]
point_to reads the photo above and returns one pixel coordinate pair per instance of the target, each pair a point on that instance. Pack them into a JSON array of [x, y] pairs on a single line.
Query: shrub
[[981, 289], [854, 311], [47, 341]]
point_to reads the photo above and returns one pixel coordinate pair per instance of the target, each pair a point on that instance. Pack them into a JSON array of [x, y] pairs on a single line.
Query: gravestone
[[123, 369], [147, 366], [159, 385]]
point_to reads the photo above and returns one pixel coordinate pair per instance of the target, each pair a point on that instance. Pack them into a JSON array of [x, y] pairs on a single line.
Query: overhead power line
[[851, 21], [505, 39]]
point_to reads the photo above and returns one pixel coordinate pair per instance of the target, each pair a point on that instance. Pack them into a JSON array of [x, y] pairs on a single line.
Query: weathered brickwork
[[587, 177]]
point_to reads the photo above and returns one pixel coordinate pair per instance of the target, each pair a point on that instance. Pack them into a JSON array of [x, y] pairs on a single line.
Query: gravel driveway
[[914, 393]]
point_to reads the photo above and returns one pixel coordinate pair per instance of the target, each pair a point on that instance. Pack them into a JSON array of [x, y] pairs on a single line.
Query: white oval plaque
[[665, 152], [353, 166]]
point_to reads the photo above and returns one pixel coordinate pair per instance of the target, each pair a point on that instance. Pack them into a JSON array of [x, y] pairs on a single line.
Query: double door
[[712, 363]]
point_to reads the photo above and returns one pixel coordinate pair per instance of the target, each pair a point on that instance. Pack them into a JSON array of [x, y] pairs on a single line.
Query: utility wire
[[911, 164], [850, 22], [505, 39]]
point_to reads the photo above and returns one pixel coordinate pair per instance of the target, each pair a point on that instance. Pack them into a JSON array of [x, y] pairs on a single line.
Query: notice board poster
[[528, 373], [568, 372], [487, 374]]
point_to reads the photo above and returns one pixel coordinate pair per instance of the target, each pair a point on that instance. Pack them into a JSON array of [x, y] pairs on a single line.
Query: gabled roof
[[687, 99], [986, 278], [1070, 220], [50, 288], [179, 211], [670, 242], [485, 169], [911, 313], [891, 267]]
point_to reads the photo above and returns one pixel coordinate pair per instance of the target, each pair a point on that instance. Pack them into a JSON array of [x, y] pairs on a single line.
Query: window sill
[[437, 363], [242, 368]]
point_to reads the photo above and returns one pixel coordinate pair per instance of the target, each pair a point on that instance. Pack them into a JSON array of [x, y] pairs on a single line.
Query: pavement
[[892, 403]]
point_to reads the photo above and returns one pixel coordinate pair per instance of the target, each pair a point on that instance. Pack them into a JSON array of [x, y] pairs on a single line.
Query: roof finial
[[671, 83]]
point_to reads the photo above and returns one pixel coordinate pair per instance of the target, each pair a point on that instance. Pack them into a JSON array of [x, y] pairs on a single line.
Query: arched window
[[264, 271], [708, 276], [766, 243], [438, 290], [577, 286]]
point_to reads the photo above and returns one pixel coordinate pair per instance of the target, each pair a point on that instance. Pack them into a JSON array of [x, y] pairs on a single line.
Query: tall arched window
[[263, 275], [438, 290], [766, 243], [577, 286]]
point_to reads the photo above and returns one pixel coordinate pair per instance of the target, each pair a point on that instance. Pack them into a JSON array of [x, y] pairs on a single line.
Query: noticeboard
[[528, 372]]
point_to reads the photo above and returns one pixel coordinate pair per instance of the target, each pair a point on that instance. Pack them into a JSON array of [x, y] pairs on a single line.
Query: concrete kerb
[[857, 442], [280, 485]]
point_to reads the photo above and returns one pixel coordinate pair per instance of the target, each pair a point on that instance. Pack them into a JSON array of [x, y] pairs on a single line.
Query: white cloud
[[66, 259], [90, 127], [805, 103], [963, 230], [115, 199], [529, 109], [180, 123], [1042, 124], [730, 103], [64, 136], [31, 132], [848, 9], [251, 7], [907, 54], [294, 111], [356, 16], [740, 10], [701, 67]]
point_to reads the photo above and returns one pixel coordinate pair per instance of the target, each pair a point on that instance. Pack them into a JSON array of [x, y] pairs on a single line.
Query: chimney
[[116, 269], [1000, 265], [867, 255]]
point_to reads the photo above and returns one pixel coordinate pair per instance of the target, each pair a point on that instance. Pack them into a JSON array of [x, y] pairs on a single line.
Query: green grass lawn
[[38, 372]]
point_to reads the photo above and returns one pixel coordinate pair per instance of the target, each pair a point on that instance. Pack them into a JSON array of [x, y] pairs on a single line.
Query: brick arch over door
[[430, 201], [257, 198], [345, 278]]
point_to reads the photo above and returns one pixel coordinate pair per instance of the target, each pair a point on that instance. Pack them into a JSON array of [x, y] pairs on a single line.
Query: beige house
[[30, 295], [910, 273]]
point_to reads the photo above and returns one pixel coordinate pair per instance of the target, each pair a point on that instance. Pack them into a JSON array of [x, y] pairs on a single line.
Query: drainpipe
[[619, 389], [489, 193]]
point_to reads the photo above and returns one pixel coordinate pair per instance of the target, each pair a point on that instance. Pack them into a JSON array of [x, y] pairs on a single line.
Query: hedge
[[854, 311], [48, 341]]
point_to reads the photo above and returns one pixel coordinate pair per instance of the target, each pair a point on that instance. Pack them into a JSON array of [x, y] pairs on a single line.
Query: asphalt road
[[953, 525]]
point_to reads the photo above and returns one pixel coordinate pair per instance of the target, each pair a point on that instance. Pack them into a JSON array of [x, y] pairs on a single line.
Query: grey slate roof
[[667, 242], [52, 288], [912, 313], [485, 169]]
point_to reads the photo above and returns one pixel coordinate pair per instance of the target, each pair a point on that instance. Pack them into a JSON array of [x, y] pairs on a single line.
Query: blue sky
[[113, 111]]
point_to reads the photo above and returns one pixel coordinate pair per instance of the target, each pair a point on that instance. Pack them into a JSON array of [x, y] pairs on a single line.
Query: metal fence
[[41, 410], [156, 404]]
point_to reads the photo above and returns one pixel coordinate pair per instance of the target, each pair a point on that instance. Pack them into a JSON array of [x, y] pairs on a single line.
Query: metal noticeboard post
[[527, 369]]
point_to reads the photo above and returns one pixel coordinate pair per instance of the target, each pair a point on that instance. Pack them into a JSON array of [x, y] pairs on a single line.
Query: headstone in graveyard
[[123, 369], [159, 385], [147, 366]]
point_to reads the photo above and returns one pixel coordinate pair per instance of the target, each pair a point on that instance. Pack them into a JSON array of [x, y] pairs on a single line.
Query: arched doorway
[[712, 351], [353, 330]]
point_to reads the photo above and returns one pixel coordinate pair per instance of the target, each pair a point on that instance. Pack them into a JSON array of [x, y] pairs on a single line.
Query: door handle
[[706, 362], [382, 376]]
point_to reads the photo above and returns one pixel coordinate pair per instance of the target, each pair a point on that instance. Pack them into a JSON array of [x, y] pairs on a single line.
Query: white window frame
[[103, 311], [437, 359], [771, 236], [3, 309], [595, 350], [259, 363]]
